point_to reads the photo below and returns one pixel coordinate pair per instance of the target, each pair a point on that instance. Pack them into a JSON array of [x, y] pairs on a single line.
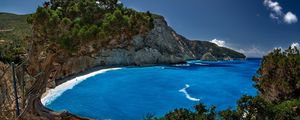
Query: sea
[[131, 93]]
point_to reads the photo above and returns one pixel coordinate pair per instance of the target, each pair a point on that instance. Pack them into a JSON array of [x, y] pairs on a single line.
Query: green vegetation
[[73, 23], [278, 78], [220, 52], [200, 112], [204, 48], [13, 30], [278, 81], [13, 27]]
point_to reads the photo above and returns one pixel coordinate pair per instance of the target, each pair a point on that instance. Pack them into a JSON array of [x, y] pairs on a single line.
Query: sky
[[253, 27]]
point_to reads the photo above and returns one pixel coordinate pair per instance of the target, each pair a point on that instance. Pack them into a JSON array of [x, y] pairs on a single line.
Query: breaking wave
[[187, 95]]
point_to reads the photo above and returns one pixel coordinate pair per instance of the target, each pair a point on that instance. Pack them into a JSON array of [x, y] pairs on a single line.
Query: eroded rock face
[[162, 45]]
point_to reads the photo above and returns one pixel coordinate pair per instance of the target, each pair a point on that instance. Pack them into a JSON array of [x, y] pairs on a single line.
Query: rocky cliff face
[[162, 45]]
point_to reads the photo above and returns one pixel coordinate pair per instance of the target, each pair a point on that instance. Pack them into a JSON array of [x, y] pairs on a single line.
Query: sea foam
[[202, 64], [187, 95], [52, 94]]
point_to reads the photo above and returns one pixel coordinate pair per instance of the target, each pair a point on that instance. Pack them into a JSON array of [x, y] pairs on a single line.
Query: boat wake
[[54, 93], [187, 95]]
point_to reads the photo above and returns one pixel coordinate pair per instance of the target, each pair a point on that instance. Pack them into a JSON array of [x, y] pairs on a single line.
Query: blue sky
[[250, 26]]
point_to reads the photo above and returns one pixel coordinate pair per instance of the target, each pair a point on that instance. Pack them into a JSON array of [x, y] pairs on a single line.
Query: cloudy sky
[[253, 27]]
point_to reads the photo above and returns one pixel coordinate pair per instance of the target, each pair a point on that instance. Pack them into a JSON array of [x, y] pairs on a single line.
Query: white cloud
[[274, 6], [252, 52], [295, 45], [273, 16], [249, 52], [277, 48], [220, 43], [290, 18], [278, 14]]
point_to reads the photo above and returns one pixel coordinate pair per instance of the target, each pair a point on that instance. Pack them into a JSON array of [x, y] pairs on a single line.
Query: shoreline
[[53, 93], [62, 80], [92, 70], [67, 83]]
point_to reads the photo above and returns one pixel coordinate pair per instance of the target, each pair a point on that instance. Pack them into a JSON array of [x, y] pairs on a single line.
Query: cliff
[[162, 45]]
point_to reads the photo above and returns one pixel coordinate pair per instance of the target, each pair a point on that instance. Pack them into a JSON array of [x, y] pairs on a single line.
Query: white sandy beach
[[51, 94]]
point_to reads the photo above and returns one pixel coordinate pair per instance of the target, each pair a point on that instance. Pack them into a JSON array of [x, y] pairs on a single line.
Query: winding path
[[6, 30]]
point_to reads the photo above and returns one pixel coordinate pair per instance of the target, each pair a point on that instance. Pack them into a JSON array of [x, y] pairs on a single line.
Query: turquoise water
[[131, 93]]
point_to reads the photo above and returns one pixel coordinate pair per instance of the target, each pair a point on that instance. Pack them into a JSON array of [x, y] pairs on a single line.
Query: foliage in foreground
[[279, 76]]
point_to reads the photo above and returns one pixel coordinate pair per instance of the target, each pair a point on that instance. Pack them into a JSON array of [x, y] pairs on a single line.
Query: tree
[[278, 77], [229, 115], [180, 114], [254, 108], [108, 4], [200, 108]]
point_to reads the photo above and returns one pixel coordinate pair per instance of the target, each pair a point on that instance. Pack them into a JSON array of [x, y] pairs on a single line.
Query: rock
[[208, 57], [161, 45], [227, 58], [147, 56]]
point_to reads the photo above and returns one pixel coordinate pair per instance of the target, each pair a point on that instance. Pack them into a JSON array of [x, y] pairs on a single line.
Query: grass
[[13, 28]]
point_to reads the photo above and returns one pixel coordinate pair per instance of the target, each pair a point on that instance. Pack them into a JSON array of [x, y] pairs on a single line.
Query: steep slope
[[162, 45], [13, 29]]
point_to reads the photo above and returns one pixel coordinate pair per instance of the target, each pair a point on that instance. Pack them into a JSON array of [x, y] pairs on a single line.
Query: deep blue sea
[[131, 93]]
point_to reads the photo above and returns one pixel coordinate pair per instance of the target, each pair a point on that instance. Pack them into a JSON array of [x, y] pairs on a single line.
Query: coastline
[[67, 83], [91, 70]]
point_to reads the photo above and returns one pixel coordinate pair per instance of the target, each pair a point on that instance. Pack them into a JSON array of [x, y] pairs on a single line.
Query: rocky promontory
[[162, 45]]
